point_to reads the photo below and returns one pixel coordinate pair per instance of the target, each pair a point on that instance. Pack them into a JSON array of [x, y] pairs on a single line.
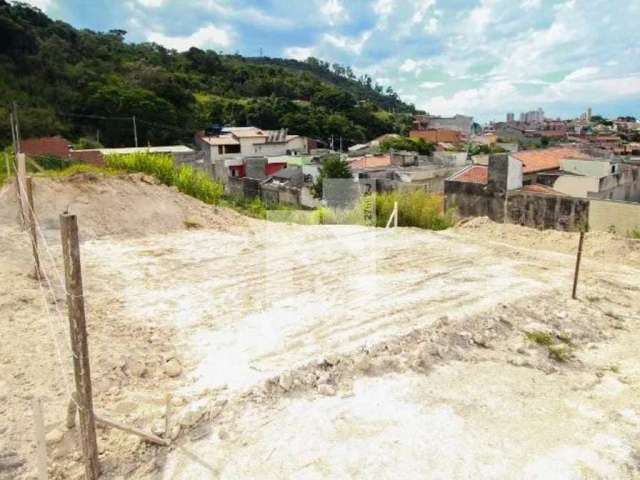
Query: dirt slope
[[323, 352], [126, 206]]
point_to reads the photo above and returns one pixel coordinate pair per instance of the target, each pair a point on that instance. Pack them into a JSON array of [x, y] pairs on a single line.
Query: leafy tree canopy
[[85, 84], [332, 167], [419, 145]]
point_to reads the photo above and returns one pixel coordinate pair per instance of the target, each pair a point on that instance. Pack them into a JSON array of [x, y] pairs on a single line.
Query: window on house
[[233, 149]]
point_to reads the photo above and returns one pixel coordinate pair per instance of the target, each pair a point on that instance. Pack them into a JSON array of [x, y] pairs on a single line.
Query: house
[[498, 191], [595, 178], [537, 161], [226, 148], [461, 123]]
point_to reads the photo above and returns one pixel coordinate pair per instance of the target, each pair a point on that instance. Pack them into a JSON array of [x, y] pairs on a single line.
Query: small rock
[[193, 415], [323, 378], [363, 363], [223, 435], [158, 428], [325, 389], [135, 367], [286, 381], [54, 436], [332, 359], [172, 368], [175, 431]]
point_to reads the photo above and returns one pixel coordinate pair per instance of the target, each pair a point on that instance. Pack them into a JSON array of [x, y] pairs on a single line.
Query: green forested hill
[[82, 84]]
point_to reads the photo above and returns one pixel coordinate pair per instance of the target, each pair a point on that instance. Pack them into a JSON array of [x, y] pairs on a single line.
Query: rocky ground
[[325, 352]]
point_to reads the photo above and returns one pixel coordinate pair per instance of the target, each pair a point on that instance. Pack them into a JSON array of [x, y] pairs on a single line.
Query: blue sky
[[479, 57]]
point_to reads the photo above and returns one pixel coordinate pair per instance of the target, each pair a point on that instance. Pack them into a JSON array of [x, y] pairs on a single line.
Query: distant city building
[[534, 116], [510, 117], [589, 114]]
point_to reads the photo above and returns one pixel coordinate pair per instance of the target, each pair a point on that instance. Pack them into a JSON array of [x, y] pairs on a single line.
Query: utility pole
[[79, 345], [135, 131]]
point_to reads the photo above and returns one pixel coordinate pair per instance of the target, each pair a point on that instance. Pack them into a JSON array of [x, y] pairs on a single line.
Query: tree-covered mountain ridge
[[86, 84]]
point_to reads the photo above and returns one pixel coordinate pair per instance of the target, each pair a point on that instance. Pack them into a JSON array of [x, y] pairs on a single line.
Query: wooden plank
[[79, 345]]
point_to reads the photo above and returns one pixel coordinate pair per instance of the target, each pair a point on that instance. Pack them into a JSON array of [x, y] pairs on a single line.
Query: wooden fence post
[[31, 217], [79, 347], [578, 260], [41, 445]]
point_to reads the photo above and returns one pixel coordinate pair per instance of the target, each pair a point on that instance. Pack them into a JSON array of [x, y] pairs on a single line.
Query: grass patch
[[188, 180], [80, 168], [415, 209], [635, 234], [541, 338], [560, 352]]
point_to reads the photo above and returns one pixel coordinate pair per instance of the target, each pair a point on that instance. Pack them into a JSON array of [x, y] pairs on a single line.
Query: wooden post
[[395, 214], [21, 185], [79, 347], [31, 217], [41, 445], [578, 260]]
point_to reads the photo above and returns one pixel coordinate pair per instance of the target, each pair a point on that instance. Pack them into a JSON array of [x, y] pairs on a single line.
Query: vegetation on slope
[[85, 84]]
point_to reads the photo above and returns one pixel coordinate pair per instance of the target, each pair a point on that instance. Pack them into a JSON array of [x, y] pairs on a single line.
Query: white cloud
[[411, 65], [480, 17], [431, 85], [334, 12], [299, 53], [431, 26], [531, 4], [43, 5], [350, 44], [151, 3], [208, 36], [582, 74], [249, 15], [383, 7]]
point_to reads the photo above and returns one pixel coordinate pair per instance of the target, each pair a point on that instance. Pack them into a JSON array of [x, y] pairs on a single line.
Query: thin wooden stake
[[125, 428], [578, 260], [79, 346], [21, 185], [395, 214], [31, 217], [41, 444]]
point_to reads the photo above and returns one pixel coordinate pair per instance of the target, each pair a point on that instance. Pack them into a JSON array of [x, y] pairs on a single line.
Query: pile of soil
[[597, 246], [128, 206]]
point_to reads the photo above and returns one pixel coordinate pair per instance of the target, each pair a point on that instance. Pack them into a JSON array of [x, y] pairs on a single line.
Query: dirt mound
[[598, 245], [128, 205]]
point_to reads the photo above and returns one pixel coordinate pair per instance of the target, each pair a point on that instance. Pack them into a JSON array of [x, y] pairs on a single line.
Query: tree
[[332, 167], [409, 144]]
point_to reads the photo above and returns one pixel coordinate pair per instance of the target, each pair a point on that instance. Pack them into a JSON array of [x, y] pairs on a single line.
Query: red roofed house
[[515, 188]]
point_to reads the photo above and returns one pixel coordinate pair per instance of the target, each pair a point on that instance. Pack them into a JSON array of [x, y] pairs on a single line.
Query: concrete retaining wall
[[618, 216]]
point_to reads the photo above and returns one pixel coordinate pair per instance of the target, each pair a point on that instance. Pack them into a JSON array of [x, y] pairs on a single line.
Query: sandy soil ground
[[329, 352]]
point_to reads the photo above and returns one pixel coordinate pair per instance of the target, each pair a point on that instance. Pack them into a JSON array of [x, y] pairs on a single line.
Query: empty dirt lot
[[326, 351]]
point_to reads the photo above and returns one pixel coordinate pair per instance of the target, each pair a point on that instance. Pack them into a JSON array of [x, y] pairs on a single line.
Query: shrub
[[635, 233], [187, 179], [415, 209]]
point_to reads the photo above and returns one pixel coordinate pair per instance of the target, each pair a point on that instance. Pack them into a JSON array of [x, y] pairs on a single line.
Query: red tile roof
[[547, 159], [472, 174], [539, 188], [374, 161]]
